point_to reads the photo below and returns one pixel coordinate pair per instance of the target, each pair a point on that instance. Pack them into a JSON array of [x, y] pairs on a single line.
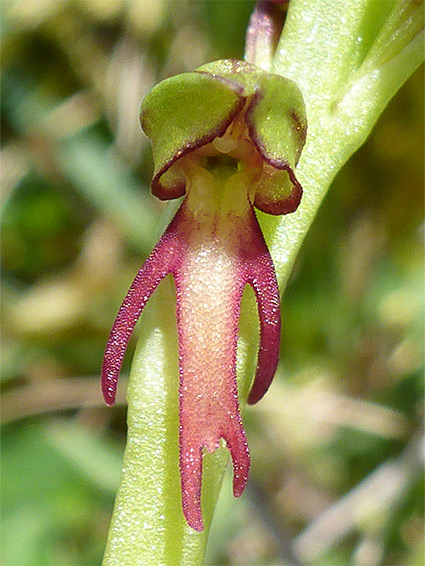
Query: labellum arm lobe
[[161, 262], [260, 274]]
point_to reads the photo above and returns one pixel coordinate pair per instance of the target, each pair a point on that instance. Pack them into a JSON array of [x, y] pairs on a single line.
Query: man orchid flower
[[227, 136]]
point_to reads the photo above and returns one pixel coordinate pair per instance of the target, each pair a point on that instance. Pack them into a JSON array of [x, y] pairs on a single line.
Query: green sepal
[[181, 114], [185, 112], [277, 123]]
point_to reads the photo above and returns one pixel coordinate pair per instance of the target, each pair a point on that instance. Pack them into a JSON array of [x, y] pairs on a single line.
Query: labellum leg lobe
[[212, 258]]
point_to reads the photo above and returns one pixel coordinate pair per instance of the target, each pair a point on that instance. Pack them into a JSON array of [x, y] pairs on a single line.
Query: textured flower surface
[[227, 136]]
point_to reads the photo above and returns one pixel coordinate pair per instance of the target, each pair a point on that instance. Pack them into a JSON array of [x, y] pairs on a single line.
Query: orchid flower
[[227, 137]]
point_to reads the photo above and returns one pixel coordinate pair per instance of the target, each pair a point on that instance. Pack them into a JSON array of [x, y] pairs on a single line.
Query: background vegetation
[[337, 472]]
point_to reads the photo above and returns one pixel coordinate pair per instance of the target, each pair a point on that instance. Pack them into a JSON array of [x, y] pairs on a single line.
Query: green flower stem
[[349, 58]]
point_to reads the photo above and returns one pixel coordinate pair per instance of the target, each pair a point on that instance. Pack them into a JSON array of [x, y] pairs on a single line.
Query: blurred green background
[[336, 444]]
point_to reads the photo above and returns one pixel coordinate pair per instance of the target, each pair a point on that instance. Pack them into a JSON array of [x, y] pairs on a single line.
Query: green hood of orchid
[[187, 112]]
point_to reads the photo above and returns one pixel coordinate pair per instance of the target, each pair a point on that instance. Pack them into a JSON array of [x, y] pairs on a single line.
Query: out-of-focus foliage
[[336, 472]]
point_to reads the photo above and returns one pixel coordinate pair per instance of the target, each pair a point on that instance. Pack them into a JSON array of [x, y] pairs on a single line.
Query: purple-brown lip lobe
[[208, 305]]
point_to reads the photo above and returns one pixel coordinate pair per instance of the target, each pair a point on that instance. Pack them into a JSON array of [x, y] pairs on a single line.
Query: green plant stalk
[[349, 59]]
